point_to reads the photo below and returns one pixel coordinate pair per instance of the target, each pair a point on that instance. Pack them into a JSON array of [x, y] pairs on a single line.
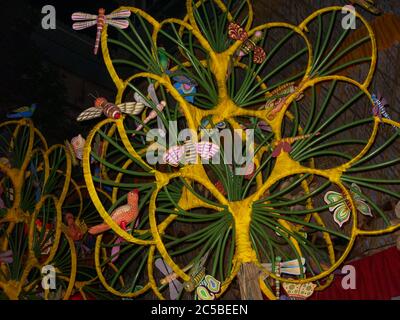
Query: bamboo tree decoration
[[278, 209]]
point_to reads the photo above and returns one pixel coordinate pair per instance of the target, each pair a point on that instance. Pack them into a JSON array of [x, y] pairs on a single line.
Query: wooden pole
[[248, 282]]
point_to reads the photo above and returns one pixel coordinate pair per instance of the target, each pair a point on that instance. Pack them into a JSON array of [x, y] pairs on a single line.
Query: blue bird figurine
[[23, 112]]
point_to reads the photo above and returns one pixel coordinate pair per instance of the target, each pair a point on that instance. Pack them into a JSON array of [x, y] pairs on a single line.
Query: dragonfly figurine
[[116, 19], [236, 32], [292, 267], [204, 285], [285, 144], [175, 286], [187, 153], [153, 114], [110, 110], [340, 207]]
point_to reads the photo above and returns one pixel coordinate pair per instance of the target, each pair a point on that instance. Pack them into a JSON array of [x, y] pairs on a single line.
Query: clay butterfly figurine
[[368, 5], [113, 19], [285, 144], [23, 112], [340, 207], [153, 114], [297, 291], [188, 152], [110, 110], [236, 32]]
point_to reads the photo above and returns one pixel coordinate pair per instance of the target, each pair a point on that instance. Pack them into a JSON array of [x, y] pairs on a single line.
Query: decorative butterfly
[[297, 291], [341, 209], [236, 32], [153, 114], [110, 110], [285, 144], [187, 153], [113, 19]]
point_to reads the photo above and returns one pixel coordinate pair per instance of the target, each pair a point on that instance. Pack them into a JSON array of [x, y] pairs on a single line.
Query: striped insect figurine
[[341, 208], [379, 109], [110, 110], [285, 144], [153, 114], [236, 32], [116, 19], [171, 278], [187, 153], [277, 98], [292, 267]]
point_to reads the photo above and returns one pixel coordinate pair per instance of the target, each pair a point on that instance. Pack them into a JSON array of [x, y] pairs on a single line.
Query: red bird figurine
[[123, 215]]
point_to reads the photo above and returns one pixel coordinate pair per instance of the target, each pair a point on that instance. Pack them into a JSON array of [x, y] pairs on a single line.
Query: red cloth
[[377, 278]]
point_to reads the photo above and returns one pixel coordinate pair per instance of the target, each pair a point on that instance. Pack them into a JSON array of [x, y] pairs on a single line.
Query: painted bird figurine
[[122, 215], [23, 112], [76, 229]]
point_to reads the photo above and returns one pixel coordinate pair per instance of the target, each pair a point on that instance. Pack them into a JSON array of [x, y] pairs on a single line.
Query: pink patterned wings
[[188, 153]]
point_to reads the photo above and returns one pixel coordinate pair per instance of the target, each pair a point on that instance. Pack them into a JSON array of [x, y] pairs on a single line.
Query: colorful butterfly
[[187, 153], [110, 110], [236, 32], [297, 291], [341, 209]]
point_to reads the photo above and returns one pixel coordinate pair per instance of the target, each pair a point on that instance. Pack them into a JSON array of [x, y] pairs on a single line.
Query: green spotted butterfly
[[340, 207]]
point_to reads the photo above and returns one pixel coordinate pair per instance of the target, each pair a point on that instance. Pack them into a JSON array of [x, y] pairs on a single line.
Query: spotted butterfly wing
[[90, 113]]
